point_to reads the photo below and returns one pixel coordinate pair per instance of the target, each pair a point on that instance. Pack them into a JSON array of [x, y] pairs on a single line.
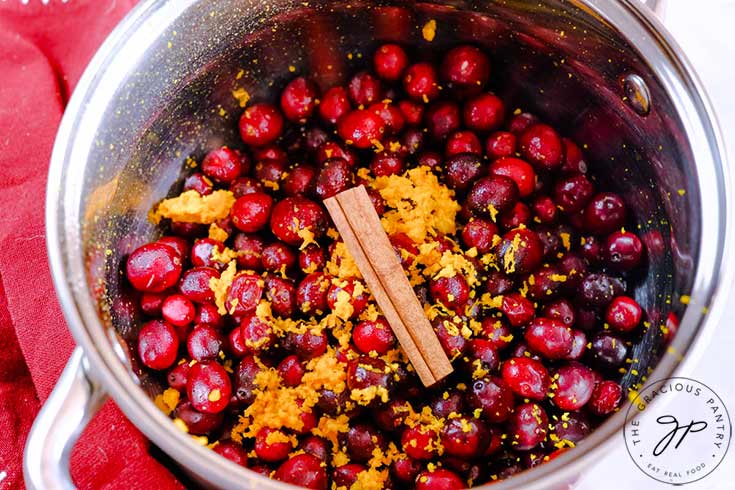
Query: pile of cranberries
[[548, 353]]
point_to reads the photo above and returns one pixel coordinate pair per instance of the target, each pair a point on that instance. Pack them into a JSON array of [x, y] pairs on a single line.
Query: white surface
[[704, 29]]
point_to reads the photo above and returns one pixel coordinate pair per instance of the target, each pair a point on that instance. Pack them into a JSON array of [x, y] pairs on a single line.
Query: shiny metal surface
[[160, 88]]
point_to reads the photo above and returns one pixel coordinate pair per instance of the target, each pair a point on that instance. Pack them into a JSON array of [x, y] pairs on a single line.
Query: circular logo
[[681, 438]]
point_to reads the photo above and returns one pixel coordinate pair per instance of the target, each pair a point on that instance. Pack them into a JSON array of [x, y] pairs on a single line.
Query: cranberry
[[466, 67], [545, 209], [484, 113], [364, 89], [367, 372], [519, 215], [150, 303], [390, 61], [447, 403], [198, 423], [479, 233], [572, 193], [295, 217], [316, 446], [549, 338], [598, 290], [405, 469], [517, 170], [202, 251], [224, 164], [373, 336], [517, 309], [312, 258], [207, 313], [420, 82], [232, 451], [300, 181], [351, 291], [493, 396], [178, 310], [308, 345], [244, 293], [245, 185], [274, 451], [257, 335], [608, 350], [438, 479], [462, 170], [573, 158], [591, 250], [419, 443], [204, 343], [153, 268], [385, 164], [463, 142], [298, 99], [560, 310], [605, 398], [573, 386], [194, 284], [245, 375], [250, 248], [528, 426], [198, 182], [413, 112], [624, 314], [291, 371], [500, 144], [250, 212], [391, 116], [303, 470], [450, 337], [260, 124], [311, 293], [520, 251], [541, 145], [282, 296], [430, 159], [158, 344], [346, 475], [452, 291], [520, 122], [334, 104], [491, 195], [270, 172], [208, 387], [278, 257], [623, 250], [412, 141], [180, 246], [579, 345], [334, 177], [361, 440], [361, 128], [269, 152], [526, 377], [605, 213], [330, 149], [442, 119]]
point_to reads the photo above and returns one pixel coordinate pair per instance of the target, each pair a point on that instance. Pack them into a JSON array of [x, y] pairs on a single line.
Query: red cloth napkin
[[44, 49]]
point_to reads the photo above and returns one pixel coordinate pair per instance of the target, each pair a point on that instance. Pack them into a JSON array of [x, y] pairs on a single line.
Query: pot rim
[[634, 22]]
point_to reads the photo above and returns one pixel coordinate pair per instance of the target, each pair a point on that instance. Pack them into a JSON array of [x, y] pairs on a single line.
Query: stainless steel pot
[[160, 88]]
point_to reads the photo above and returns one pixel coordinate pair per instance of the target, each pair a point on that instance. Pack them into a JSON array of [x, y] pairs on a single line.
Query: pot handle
[[71, 405]]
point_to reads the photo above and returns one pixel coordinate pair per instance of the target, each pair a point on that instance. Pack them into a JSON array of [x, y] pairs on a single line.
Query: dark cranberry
[[293, 218], [303, 470], [250, 212], [561, 310], [526, 377], [350, 292], [316, 446], [491, 195], [549, 338], [521, 121], [250, 248], [178, 310], [330, 149], [153, 268], [391, 416], [373, 336], [592, 250], [500, 144], [368, 372], [178, 376], [300, 181], [447, 403], [482, 355], [544, 208], [413, 112], [429, 159], [232, 451], [517, 309], [517, 170], [314, 138], [573, 385], [245, 185], [346, 475], [624, 314], [389, 62], [312, 258], [158, 344], [245, 375], [498, 283], [419, 443], [493, 396], [598, 290], [282, 295], [480, 233], [440, 478], [244, 293], [405, 470], [260, 124], [608, 350], [545, 284], [605, 398], [208, 387], [311, 293], [528, 426], [541, 145], [453, 291], [198, 182], [225, 164], [463, 142], [442, 119], [187, 230], [519, 215], [466, 68], [462, 170], [269, 152], [361, 440], [335, 103], [278, 257], [484, 113], [448, 330], [207, 313], [420, 82], [412, 141], [623, 250], [572, 193], [308, 345], [520, 251], [270, 172], [385, 164], [204, 343], [361, 128], [197, 423], [365, 89], [194, 284], [298, 99], [464, 437], [605, 213], [150, 303], [573, 158], [391, 116]]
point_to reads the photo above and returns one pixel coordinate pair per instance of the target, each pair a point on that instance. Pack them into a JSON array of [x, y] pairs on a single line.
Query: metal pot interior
[[172, 98]]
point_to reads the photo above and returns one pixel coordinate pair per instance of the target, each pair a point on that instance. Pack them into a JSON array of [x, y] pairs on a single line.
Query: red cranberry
[[150, 303], [153, 268], [438, 479], [526, 377], [520, 251], [377, 336], [391, 116], [198, 423], [347, 288], [346, 475], [316, 446], [479, 233], [311, 293], [300, 181], [209, 388], [293, 217], [225, 164], [463, 142], [178, 310], [194, 284], [367, 372], [466, 67], [450, 337], [291, 371], [334, 177], [260, 124], [282, 295], [517, 309], [158, 344], [298, 99], [198, 182], [573, 158], [187, 230], [308, 345], [560, 310], [574, 384], [442, 119], [250, 212], [270, 171], [405, 470], [520, 122], [278, 257], [541, 145], [517, 170], [361, 128], [484, 113], [236, 343], [312, 258], [429, 159], [605, 398], [270, 152], [419, 443], [493, 396], [385, 164], [545, 209], [572, 193], [365, 89], [180, 245], [624, 314], [244, 293], [623, 250], [334, 104], [330, 149], [303, 470], [250, 248], [420, 82], [204, 343], [528, 426], [232, 451], [413, 112], [464, 437], [274, 451], [389, 62], [448, 402], [453, 291], [201, 253], [491, 195], [500, 144], [207, 313], [257, 335], [462, 170], [598, 290], [605, 213], [518, 215], [608, 350], [412, 141], [579, 345], [549, 338]]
